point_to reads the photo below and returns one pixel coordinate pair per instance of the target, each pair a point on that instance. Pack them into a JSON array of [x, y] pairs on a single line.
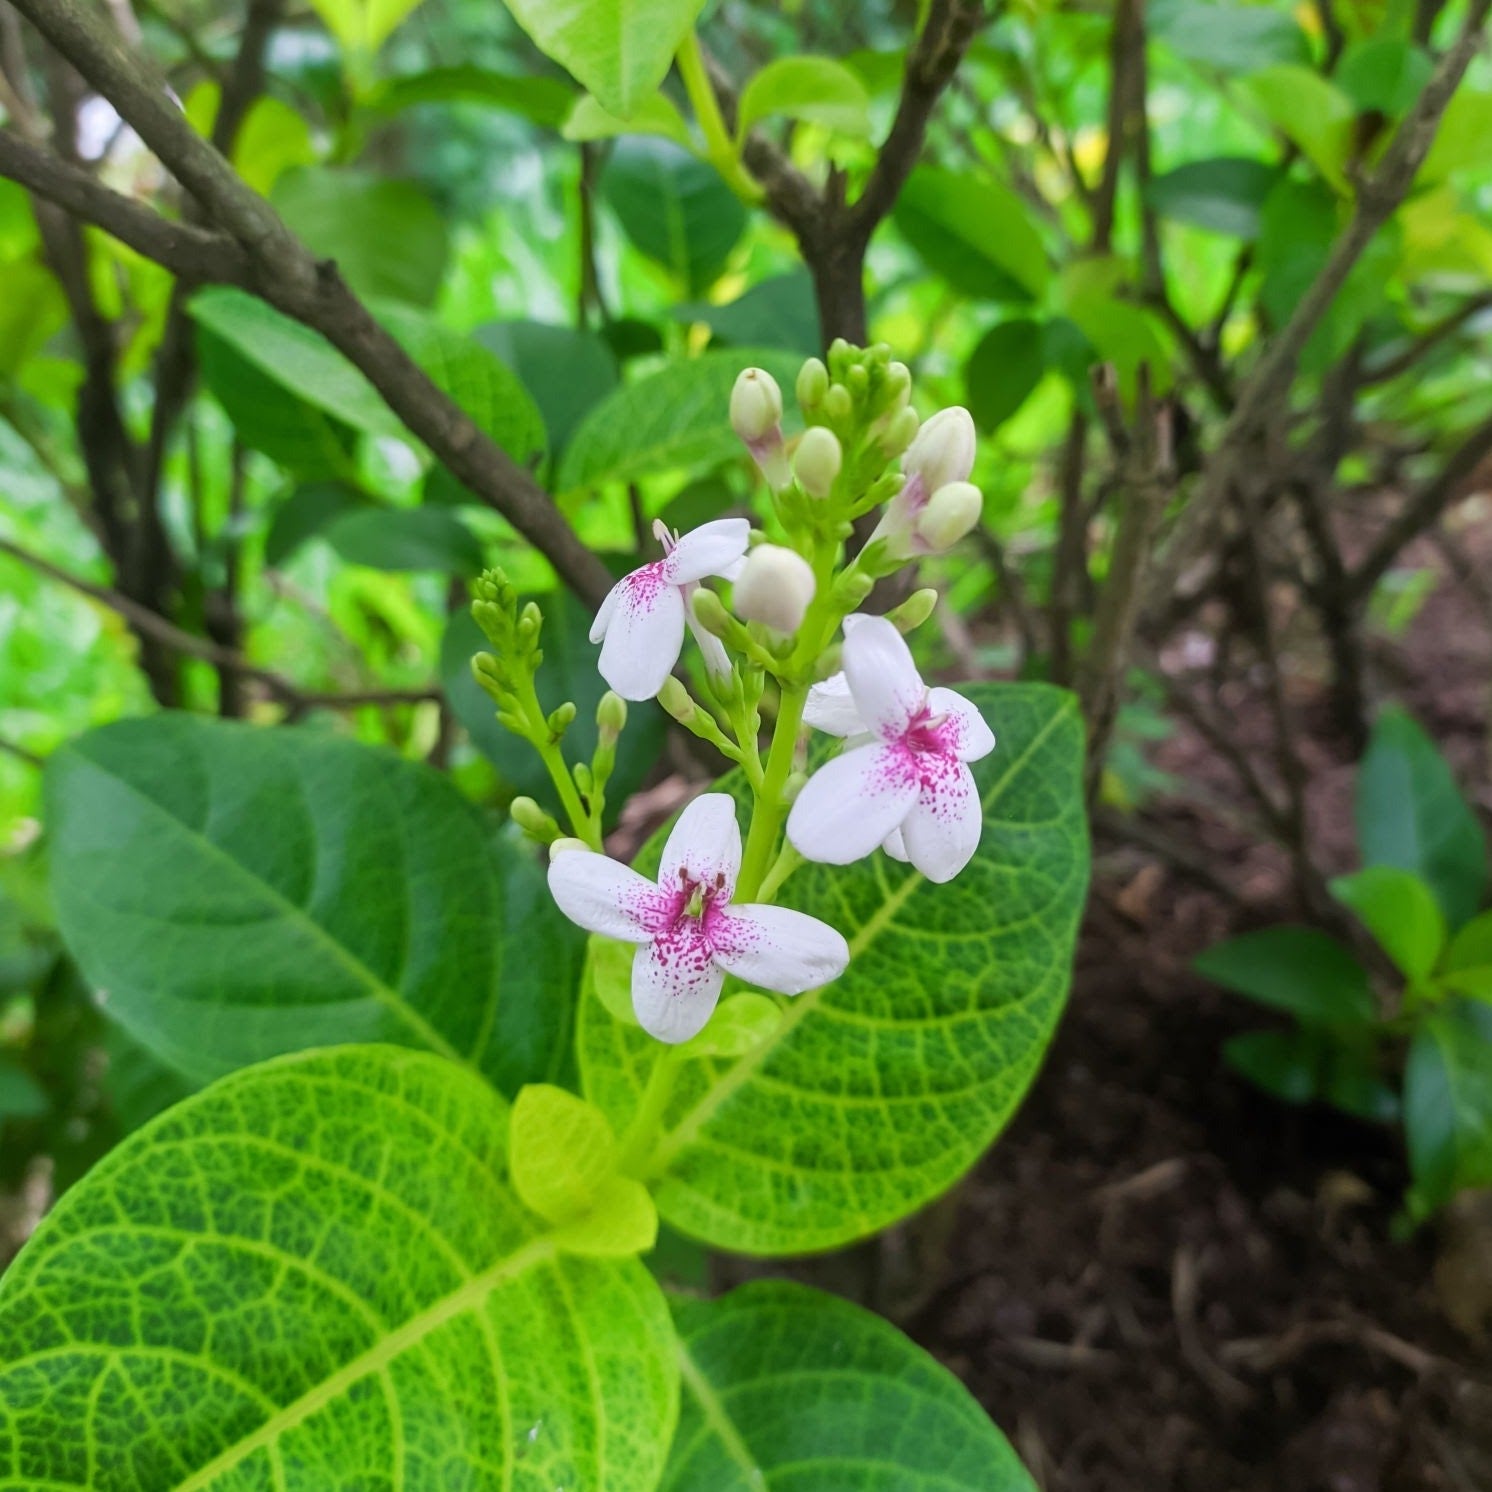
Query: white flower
[[941, 454], [643, 616], [689, 935], [907, 787]]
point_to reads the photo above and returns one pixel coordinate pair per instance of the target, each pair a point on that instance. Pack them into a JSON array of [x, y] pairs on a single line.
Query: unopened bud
[[943, 451], [560, 719], [837, 403], [899, 431], [897, 385], [950, 513], [817, 461], [564, 846], [533, 820], [710, 612], [676, 700], [852, 588], [755, 405], [611, 715], [813, 383], [775, 588], [794, 785], [914, 610]]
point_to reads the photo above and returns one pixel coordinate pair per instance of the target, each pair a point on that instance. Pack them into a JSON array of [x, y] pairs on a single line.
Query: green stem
[[584, 826], [766, 821], [647, 1122], [720, 149], [787, 861]]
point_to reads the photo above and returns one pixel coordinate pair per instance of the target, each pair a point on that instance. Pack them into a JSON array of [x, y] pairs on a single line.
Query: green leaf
[[560, 1152], [1461, 140], [974, 232], [1410, 814], [674, 207], [315, 1274], [1235, 39], [1296, 969], [1309, 111], [658, 115], [1340, 1067], [363, 25], [677, 418], [1096, 299], [489, 391], [21, 1096], [1282, 1063], [1401, 913], [307, 512], [873, 1095], [1468, 961], [622, 1223], [620, 50], [1384, 73], [405, 539], [1448, 1108], [567, 371], [32, 311], [234, 892], [1003, 371], [387, 237], [542, 101], [568, 673], [1224, 195], [778, 312], [788, 1387], [817, 89]]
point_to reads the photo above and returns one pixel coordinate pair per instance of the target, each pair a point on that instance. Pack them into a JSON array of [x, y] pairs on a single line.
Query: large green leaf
[[620, 49], [567, 371], [1400, 911], [1234, 38], [233, 893], [1311, 112], [1297, 969], [817, 89], [387, 237], [790, 1388], [1225, 195], [1411, 815], [678, 417], [974, 232], [1448, 1108], [542, 101], [405, 539], [874, 1094], [315, 1275], [674, 207], [778, 312], [363, 25], [1003, 370]]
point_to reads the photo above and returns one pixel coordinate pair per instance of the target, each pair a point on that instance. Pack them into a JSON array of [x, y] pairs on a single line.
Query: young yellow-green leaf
[[363, 25], [560, 1151], [791, 1388], [742, 1023], [817, 89], [622, 1222], [234, 892], [1467, 967], [1401, 913], [658, 115], [315, 1275], [874, 1094], [1310, 111], [620, 50]]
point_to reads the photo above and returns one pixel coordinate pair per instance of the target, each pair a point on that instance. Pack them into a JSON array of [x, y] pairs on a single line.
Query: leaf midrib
[[716, 1416], [376, 1358], [385, 994], [683, 1133]]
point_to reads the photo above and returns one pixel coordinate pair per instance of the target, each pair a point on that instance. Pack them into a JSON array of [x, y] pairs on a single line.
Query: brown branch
[[289, 276], [20, 753], [1427, 341], [1423, 509], [1268, 385]]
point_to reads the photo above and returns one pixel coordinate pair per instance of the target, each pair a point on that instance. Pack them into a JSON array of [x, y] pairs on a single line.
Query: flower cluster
[[901, 782]]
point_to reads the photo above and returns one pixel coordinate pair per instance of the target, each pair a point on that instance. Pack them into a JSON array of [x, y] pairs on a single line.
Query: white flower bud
[[950, 513], [942, 451], [813, 383], [565, 847], [817, 460], [755, 405], [775, 588]]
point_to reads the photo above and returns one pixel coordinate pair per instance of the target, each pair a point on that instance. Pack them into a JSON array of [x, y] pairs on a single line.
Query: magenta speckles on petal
[[641, 589]]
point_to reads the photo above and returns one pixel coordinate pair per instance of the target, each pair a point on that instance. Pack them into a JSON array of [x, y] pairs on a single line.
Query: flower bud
[[898, 432], [775, 588], [950, 513], [710, 613], [560, 718], [676, 700], [611, 715], [837, 403], [817, 461], [897, 386], [533, 820], [794, 785], [943, 451], [914, 610], [564, 846], [813, 383], [852, 587], [755, 405]]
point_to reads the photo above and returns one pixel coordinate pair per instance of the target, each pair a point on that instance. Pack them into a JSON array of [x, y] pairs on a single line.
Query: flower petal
[[942, 830], [964, 733], [717, 660], [852, 803], [710, 549], [644, 633], [604, 613], [604, 896], [885, 683], [675, 983], [705, 845], [776, 948], [831, 708], [895, 845]]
